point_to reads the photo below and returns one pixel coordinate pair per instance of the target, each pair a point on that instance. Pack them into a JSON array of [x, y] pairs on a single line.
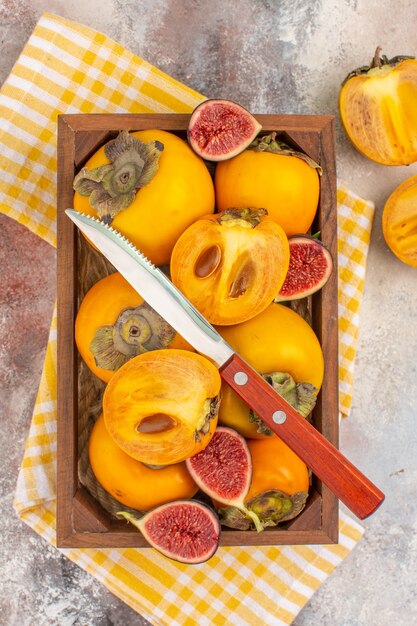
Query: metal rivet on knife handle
[[240, 378], [279, 417]]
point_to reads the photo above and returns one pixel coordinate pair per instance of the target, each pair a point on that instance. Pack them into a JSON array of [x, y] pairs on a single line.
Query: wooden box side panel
[[67, 390], [325, 316], [81, 521]]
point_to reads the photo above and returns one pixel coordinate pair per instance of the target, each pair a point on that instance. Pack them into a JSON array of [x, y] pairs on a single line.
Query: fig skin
[[311, 265], [179, 520], [221, 129], [223, 470]]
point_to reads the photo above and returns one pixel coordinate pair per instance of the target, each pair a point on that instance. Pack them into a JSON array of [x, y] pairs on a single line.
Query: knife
[[352, 487]]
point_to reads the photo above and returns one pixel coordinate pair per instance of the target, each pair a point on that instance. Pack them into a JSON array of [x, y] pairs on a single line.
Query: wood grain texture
[[67, 389], [81, 521]]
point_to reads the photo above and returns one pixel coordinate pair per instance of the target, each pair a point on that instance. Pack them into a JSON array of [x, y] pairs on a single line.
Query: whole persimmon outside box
[[81, 520]]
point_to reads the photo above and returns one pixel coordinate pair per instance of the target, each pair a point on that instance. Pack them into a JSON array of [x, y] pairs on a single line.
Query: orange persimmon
[[131, 482], [180, 191], [114, 324], [276, 466], [161, 406], [283, 181], [399, 221], [231, 265], [276, 340], [378, 109]]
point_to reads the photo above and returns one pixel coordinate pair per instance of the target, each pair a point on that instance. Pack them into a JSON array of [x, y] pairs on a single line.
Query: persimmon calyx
[[245, 217], [379, 62], [135, 331], [270, 143], [112, 187], [274, 506], [271, 508], [301, 396]]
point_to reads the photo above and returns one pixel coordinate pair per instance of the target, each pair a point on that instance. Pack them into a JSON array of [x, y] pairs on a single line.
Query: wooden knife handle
[[359, 494]]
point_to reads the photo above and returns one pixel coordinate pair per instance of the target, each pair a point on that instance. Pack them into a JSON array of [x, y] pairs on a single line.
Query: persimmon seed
[[208, 262]]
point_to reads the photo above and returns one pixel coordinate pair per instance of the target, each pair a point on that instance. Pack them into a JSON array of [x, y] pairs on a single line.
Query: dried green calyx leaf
[[135, 331], [300, 395], [270, 143], [245, 217], [272, 507], [112, 187]]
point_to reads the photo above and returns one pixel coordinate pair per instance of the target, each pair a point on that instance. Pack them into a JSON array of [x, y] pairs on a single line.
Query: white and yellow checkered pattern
[[355, 217], [68, 68]]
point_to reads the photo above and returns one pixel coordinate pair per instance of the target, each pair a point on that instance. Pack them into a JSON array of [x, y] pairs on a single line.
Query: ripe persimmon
[[378, 109], [283, 181], [231, 265], [114, 324], [131, 482], [161, 407], [277, 341], [179, 191]]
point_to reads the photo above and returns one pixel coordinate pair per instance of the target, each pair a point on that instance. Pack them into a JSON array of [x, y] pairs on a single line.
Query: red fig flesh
[[310, 268], [223, 470], [220, 129], [184, 530]]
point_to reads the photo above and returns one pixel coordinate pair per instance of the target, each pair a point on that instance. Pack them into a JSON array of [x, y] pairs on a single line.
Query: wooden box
[[81, 520]]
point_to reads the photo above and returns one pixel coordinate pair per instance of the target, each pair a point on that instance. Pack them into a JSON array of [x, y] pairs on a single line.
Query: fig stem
[[254, 518], [130, 518]]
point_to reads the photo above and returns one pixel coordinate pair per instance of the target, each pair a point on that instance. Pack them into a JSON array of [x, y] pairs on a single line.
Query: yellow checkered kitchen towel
[[68, 68]]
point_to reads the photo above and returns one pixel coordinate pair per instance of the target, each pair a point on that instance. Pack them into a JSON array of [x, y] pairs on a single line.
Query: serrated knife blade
[[326, 461], [154, 287]]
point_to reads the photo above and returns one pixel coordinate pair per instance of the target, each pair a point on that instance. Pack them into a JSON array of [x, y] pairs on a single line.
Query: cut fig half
[[223, 470], [310, 267], [221, 129], [187, 531]]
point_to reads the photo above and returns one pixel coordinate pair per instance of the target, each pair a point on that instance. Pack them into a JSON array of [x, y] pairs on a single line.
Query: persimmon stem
[[377, 61]]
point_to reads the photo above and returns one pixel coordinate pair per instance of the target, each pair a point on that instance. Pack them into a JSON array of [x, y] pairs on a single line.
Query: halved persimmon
[[161, 406], [230, 265], [131, 482], [399, 221], [114, 324], [378, 109]]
